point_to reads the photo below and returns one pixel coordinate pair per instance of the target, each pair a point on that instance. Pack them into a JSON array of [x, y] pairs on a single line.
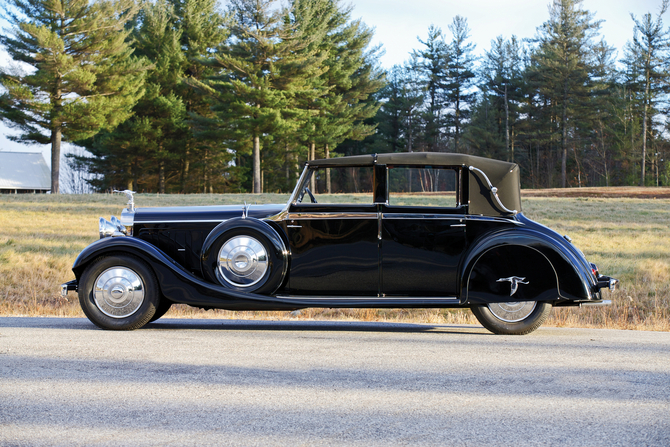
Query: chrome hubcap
[[118, 292], [242, 261], [512, 312]]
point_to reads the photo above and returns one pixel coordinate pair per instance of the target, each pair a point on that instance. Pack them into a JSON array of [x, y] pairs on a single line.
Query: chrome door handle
[[457, 225]]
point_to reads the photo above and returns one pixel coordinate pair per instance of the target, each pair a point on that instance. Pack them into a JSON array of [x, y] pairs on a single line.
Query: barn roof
[[24, 170]]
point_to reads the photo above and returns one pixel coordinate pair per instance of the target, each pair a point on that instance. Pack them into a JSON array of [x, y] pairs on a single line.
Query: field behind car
[[626, 231]]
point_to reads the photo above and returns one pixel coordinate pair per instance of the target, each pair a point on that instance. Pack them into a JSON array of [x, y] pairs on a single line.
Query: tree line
[[184, 96], [560, 105]]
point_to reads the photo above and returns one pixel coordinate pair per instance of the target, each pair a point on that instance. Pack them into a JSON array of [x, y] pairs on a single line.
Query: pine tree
[[85, 77], [432, 63], [562, 67], [648, 53], [399, 116], [353, 76], [248, 104], [157, 127], [204, 31], [502, 76], [460, 76]]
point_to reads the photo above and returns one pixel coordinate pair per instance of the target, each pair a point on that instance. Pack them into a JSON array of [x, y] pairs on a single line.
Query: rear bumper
[[606, 282]]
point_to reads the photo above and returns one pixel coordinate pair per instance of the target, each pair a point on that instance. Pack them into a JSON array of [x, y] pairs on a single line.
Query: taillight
[[594, 270]]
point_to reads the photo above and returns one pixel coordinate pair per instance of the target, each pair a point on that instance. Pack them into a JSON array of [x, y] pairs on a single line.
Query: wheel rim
[[119, 292], [512, 312], [242, 262]]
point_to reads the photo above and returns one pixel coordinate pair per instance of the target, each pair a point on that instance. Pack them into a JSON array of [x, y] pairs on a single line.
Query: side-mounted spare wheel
[[246, 255], [119, 292], [512, 318]]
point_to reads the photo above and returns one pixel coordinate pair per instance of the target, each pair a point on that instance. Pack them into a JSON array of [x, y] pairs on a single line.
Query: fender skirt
[[177, 283], [573, 283]]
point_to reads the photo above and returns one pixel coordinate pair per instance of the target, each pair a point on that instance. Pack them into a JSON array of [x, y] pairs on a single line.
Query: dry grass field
[[627, 236]]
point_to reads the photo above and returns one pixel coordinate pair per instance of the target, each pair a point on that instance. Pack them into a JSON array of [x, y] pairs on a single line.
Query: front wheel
[[119, 293], [513, 318]]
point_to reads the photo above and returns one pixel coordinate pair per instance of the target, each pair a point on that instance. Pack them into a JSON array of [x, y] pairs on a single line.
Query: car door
[[423, 232], [334, 242]]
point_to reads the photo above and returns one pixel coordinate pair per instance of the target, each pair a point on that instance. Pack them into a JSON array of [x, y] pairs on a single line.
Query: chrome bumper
[[606, 281], [596, 303], [66, 287]]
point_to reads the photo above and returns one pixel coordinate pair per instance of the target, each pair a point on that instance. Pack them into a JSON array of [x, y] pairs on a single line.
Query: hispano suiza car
[[401, 230]]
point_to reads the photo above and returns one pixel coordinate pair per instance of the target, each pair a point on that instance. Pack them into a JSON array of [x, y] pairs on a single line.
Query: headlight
[[113, 228]]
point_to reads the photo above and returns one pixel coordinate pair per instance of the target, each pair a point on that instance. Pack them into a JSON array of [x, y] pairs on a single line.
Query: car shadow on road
[[317, 326], [175, 324]]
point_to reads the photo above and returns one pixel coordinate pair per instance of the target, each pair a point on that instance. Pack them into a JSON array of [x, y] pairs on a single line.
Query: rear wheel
[[119, 293], [512, 318]]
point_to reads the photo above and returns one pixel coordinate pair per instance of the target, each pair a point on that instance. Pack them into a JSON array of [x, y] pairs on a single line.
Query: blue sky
[[398, 23]]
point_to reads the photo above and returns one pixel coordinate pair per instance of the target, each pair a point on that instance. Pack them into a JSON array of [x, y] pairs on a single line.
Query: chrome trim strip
[[177, 221], [494, 191], [423, 216], [370, 298], [494, 219], [311, 216], [334, 215]]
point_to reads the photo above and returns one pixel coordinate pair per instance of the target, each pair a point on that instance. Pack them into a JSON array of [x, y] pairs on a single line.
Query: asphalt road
[[221, 382]]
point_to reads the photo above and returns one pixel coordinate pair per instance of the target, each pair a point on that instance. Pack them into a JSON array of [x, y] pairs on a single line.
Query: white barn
[[24, 172]]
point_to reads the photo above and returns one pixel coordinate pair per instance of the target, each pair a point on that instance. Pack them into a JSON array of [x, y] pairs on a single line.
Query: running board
[[370, 301]]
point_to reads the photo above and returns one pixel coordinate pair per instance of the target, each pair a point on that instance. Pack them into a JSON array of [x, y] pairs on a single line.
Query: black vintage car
[[419, 230]]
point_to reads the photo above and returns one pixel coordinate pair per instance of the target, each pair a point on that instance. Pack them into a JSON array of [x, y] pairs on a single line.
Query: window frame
[[460, 196]]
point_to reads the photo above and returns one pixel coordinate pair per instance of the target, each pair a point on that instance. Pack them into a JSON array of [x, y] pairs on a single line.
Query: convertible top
[[503, 175]]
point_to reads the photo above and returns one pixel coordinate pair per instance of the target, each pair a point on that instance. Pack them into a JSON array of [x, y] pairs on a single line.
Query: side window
[[423, 186], [345, 185]]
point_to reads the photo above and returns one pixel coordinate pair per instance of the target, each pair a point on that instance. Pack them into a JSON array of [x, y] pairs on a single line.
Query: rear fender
[[549, 271]]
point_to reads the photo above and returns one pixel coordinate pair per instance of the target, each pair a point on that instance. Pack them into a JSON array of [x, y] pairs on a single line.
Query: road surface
[[298, 383]]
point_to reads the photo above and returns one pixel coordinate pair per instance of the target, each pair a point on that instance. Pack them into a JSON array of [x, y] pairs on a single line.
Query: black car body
[[413, 230]]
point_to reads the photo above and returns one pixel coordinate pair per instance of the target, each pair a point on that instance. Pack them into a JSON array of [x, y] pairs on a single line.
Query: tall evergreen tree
[[249, 105], [204, 31], [85, 77], [399, 116], [157, 127], [460, 77], [562, 67], [502, 77], [432, 62], [648, 55]]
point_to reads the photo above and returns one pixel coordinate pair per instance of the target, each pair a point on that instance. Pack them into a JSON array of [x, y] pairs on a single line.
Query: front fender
[[573, 283], [175, 282]]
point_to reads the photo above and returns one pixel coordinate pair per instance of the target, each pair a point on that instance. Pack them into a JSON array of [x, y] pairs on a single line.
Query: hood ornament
[[515, 281], [129, 195]]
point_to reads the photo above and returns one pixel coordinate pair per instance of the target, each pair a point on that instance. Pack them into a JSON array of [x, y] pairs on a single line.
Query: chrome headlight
[[113, 228]]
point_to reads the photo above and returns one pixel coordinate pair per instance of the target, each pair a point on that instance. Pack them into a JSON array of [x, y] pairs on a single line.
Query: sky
[[397, 27]]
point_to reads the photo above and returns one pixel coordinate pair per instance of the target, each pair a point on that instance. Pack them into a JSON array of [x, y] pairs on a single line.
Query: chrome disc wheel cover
[[118, 292], [512, 312], [242, 262]]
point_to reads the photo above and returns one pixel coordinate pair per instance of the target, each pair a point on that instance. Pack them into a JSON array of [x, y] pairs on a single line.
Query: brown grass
[[41, 235]]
